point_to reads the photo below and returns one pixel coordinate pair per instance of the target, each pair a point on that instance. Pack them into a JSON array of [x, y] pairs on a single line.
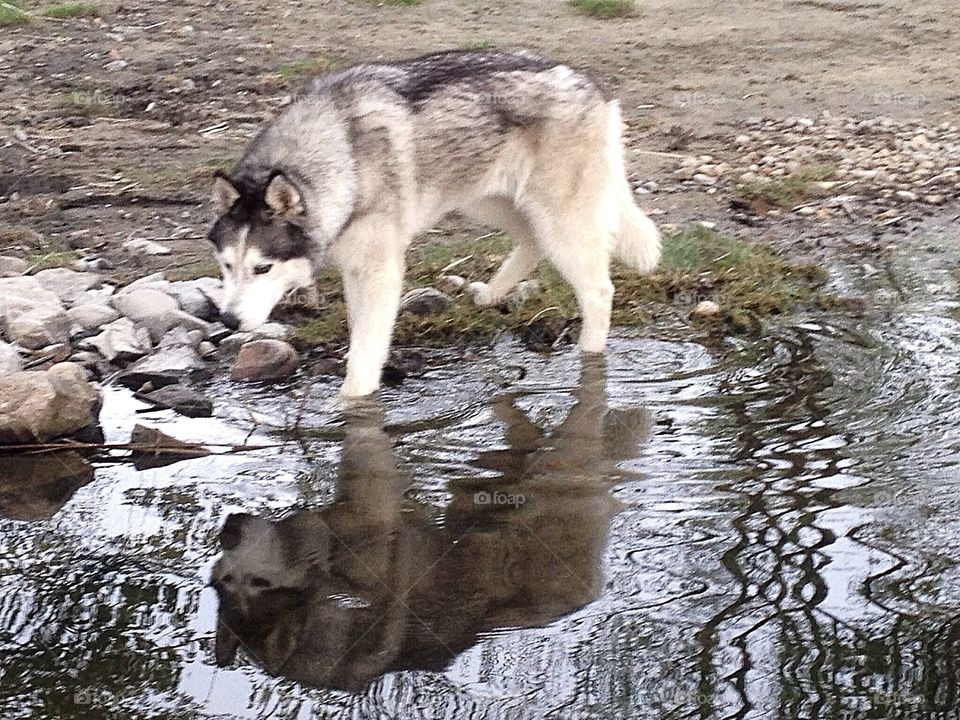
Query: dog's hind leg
[[372, 284], [580, 250], [521, 261]]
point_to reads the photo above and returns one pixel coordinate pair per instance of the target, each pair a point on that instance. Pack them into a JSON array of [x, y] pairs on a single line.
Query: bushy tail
[[636, 240]]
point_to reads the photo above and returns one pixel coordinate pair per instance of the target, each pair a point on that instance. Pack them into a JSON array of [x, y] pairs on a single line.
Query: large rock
[[120, 340], [159, 325], [67, 284], [90, 316], [180, 399], [20, 294], [35, 487], [176, 358], [194, 297], [11, 266], [140, 304], [425, 301], [38, 327], [265, 360], [10, 360], [39, 406]]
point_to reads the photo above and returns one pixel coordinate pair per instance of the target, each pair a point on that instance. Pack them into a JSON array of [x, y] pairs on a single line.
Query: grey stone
[[90, 316], [23, 293], [11, 266], [140, 304], [10, 360], [154, 281], [140, 246], [39, 406], [180, 399], [100, 296], [169, 365], [193, 299], [38, 327], [67, 284], [160, 325], [425, 301], [120, 339]]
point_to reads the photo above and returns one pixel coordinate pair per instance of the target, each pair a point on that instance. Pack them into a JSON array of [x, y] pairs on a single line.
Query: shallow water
[[768, 532]]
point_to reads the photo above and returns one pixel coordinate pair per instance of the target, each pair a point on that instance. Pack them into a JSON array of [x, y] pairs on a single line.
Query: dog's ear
[[224, 194], [283, 198], [233, 530]]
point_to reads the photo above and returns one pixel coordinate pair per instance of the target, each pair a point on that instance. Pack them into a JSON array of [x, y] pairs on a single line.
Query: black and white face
[[262, 249]]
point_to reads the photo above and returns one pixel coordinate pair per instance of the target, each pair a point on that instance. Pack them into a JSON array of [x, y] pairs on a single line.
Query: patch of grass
[[478, 45], [744, 278], [13, 14], [795, 189], [51, 254], [207, 267], [402, 3], [605, 8], [305, 67], [67, 11]]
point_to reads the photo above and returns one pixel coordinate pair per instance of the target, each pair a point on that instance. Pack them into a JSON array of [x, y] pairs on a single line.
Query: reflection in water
[[35, 487], [784, 545], [372, 582]]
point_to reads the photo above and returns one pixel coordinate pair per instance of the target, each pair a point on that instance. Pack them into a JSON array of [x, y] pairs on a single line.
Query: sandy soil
[[110, 127]]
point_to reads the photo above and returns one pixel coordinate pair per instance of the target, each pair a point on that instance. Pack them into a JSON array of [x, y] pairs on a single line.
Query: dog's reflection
[[372, 583]]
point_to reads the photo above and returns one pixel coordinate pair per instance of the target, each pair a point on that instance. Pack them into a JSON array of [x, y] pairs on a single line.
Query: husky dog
[[371, 156]]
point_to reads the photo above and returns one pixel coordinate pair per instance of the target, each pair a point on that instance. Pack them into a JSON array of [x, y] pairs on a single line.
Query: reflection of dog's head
[[261, 245], [265, 570]]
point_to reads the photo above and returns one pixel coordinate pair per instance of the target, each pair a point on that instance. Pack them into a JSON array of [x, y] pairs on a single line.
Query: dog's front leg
[[372, 288]]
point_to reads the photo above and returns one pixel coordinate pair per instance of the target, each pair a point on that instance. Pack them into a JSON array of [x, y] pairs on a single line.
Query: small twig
[[452, 265], [542, 312], [135, 447]]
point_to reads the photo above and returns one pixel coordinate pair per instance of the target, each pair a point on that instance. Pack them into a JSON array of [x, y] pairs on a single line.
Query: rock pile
[[865, 168]]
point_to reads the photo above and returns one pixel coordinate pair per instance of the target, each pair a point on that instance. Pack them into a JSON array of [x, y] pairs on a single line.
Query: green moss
[[198, 269], [12, 13], [795, 189], [605, 8], [478, 45], [746, 279], [66, 11], [305, 67]]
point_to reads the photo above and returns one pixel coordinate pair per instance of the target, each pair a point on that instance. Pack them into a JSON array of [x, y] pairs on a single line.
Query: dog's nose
[[230, 320]]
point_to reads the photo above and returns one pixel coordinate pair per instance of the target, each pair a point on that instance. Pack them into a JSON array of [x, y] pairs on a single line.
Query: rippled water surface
[[770, 531]]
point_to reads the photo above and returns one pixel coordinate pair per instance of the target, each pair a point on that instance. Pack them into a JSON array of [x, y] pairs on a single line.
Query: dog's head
[[261, 244]]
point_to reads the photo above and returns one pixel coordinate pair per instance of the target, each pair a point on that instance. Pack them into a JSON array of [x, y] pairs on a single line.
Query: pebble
[[11, 266], [10, 360], [145, 247], [705, 309], [425, 301], [265, 360]]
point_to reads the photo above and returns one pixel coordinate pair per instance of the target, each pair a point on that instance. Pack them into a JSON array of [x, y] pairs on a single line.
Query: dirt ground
[[110, 126]]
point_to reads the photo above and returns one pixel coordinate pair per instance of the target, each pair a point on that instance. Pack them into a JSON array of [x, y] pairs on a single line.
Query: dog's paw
[[481, 294]]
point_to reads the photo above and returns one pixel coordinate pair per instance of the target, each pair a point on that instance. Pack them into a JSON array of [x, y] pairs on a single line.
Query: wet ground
[[769, 529]]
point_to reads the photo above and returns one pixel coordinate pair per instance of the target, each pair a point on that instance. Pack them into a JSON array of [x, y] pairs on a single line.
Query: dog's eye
[[227, 578], [262, 269], [228, 267], [259, 582]]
